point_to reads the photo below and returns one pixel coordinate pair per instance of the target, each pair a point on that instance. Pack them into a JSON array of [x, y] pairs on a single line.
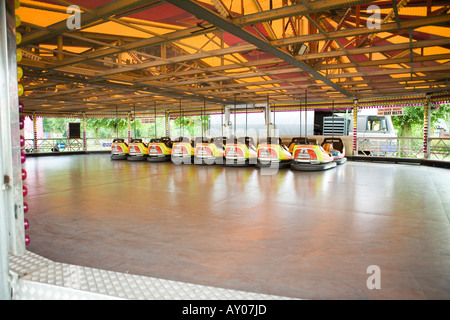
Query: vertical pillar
[[426, 123], [129, 126], [35, 139], [227, 122], [268, 125], [84, 132], [267, 117], [60, 55], [12, 232], [355, 127], [167, 120], [163, 56]]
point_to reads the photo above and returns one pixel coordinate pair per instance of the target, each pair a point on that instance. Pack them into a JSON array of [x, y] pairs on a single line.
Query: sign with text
[[148, 120], [390, 111]]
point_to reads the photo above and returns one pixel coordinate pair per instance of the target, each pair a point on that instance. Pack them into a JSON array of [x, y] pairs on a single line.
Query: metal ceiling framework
[[131, 54]]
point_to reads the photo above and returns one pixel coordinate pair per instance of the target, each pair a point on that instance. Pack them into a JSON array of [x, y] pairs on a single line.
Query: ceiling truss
[[136, 54]]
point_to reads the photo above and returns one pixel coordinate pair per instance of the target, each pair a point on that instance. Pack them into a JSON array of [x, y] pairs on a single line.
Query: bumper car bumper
[[281, 164], [164, 158], [137, 158], [119, 156], [340, 161], [303, 166]]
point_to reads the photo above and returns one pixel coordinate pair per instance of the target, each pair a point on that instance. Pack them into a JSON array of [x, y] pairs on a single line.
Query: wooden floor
[[305, 235]]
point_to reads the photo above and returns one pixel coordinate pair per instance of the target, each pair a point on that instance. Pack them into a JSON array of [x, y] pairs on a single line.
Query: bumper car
[[209, 152], [119, 150], [273, 153], [335, 148], [309, 156], [138, 150], [182, 151], [240, 152], [160, 150]]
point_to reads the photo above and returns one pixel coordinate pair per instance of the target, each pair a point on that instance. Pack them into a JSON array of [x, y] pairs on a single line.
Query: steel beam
[[294, 10], [177, 35], [237, 31], [87, 18], [289, 11], [349, 32]]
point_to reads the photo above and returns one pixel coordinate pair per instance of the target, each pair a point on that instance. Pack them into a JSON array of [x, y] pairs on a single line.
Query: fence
[[439, 148], [67, 145]]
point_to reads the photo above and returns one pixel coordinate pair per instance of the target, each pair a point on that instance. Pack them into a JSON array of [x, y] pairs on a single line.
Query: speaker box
[[73, 130]]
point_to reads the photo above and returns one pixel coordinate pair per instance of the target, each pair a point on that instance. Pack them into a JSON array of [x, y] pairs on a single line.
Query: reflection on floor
[[308, 235]]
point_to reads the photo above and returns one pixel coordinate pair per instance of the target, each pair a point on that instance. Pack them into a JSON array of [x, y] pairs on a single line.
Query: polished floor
[[305, 235]]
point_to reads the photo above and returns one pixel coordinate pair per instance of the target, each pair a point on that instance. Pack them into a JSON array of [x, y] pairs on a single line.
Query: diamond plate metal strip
[[30, 290], [35, 277]]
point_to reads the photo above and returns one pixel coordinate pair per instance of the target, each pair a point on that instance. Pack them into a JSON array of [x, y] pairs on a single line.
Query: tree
[[410, 124], [105, 128], [190, 126], [56, 126], [109, 128]]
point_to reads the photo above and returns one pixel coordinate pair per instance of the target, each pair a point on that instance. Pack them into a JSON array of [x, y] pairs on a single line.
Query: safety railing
[[412, 147], [67, 145], [401, 147], [71, 145], [53, 145], [439, 148]]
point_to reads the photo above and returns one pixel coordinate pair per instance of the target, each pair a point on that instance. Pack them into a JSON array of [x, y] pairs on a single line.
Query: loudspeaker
[[73, 130]]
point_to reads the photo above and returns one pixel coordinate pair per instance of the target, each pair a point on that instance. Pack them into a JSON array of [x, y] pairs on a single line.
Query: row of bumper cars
[[119, 150], [271, 152], [302, 154], [309, 156], [156, 150]]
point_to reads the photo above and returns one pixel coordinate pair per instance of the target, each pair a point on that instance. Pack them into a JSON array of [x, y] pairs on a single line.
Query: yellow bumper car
[[138, 150], [119, 150], [309, 156], [240, 152], [273, 153], [160, 150]]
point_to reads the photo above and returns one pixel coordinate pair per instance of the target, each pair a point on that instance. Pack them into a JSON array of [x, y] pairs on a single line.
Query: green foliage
[[56, 125], [109, 128], [189, 126], [411, 123]]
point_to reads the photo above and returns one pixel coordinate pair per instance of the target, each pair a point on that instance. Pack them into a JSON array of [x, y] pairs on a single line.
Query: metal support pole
[[129, 126], [35, 138], [355, 127], [84, 132], [167, 120], [426, 124], [227, 122], [267, 117]]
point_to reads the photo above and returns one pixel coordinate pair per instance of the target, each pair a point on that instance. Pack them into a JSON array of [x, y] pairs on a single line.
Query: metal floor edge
[[37, 278]]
